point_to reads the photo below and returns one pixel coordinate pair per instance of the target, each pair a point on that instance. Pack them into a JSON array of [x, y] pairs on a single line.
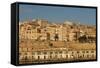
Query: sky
[[57, 14]]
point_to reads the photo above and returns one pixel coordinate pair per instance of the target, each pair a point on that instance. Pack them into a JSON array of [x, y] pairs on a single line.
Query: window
[[80, 56], [92, 56], [44, 57], [72, 52], [71, 27], [56, 52], [66, 51], [27, 49], [87, 56], [51, 52], [32, 57], [33, 53], [60, 56], [66, 56], [56, 56], [51, 44], [50, 56], [60, 52], [25, 53], [45, 30], [92, 51], [83, 55], [45, 52], [28, 28], [26, 58], [32, 48], [38, 53], [38, 57], [77, 51], [27, 32], [83, 51], [87, 51]]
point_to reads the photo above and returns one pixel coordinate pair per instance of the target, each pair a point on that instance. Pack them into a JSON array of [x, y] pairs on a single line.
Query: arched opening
[[38, 57], [66, 56], [44, 57], [56, 37], [26, 59], [50, 56]]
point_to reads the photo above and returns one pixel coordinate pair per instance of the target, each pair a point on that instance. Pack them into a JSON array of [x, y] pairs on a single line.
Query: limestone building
[[41, 41]]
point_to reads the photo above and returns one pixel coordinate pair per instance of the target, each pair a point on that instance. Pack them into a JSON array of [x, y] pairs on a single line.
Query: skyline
[[57, 14]]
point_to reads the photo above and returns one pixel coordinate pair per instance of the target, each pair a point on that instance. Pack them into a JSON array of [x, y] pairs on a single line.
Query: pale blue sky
[[57, 14]]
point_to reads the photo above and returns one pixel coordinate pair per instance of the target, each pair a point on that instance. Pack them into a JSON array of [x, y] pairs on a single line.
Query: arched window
[[44, 57], [50, 56], [83, 55], [38, 57], [56, 37], [26, 58], [66, 56]]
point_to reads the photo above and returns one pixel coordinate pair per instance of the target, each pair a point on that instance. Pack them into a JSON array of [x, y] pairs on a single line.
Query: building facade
[[41, 41]]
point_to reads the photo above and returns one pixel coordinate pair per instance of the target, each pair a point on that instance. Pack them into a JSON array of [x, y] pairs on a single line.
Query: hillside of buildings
[[42, 41], [57, 34]]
